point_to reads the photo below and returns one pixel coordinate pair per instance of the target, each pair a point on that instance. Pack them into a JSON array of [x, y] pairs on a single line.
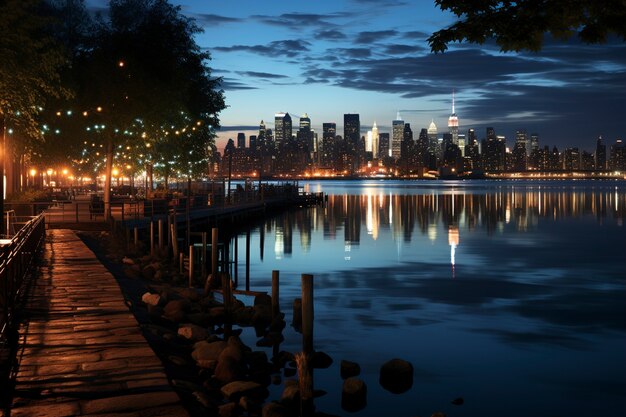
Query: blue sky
[[327, 58]]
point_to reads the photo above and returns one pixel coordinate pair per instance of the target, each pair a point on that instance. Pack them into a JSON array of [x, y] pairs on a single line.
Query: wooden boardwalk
[[82, 351]]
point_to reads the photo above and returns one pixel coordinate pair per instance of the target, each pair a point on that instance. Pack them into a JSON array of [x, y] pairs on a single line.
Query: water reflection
[[536, 303]]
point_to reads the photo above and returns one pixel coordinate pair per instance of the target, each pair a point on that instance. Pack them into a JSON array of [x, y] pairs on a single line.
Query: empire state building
[[453, 124]]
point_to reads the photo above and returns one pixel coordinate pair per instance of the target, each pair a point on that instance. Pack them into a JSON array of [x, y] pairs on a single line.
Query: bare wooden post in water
[[226, 293], [275, 287], [152, 238], [174, 240], [136, 236], [160, 226], [203, 256], [248, 260], [307, 314], [214, 235], [190, 266]]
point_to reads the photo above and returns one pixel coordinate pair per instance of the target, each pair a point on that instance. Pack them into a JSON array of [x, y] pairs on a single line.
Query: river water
[[509, 294]]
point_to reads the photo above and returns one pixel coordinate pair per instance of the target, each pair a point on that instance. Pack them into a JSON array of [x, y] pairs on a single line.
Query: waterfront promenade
[[82, 352]]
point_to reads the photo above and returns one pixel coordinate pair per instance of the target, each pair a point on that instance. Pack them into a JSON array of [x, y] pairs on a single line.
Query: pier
[[81, 351]]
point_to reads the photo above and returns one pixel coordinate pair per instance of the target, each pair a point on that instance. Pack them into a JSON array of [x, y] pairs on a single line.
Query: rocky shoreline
[[198, 339]]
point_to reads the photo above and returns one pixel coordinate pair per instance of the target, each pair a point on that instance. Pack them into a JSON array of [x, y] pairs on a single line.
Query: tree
[[141, 73], [30, 61], [521, 25]]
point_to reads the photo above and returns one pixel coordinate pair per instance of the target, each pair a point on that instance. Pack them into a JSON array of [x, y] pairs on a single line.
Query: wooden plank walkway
[[83, 353]]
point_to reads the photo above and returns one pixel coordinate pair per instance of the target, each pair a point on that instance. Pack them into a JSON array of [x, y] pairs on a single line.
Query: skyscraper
[[375, 141], [305, 134], [241, 140], [397, 134], [432, 138], [329, 131], [351, 129], [453, 124], [282, 128], [384, 150], [600, 157], [262, 138]]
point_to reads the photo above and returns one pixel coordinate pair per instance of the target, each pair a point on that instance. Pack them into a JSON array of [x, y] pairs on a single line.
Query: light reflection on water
[[509, 294]]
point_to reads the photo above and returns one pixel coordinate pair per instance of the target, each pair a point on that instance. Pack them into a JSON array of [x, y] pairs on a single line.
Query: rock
[[275, 410], [277, 324], [349, 369], [229, 369], [262, 315], [263, 299], [151, 299], [289, 372], [458, 401], [191, 294], [297, 314], [438, 414], [396, 376], [228, 410], [321, 360], [193, 332], [132, 273], [208, 351], [217, 314], [148, 272], [177, 360], [276, 379], [207, 364], [186, 385], [243, 316], [127, 261], [201, 319], [155, 311], [202, 398], [175, 310], [158, 275], [250, 405], [291, 395], [353, 395], [234, 390]]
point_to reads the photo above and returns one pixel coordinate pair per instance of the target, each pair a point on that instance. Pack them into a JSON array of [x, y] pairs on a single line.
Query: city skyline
[[371, 58]]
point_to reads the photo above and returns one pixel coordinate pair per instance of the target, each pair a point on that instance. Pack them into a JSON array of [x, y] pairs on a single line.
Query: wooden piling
[[275, 291], [160, 233], [307, 314], [227, 293], [181, 263], [203, 256], [136, 236], [190, 266], [214, 236], [174, 241], [248, 260], [152, 238]]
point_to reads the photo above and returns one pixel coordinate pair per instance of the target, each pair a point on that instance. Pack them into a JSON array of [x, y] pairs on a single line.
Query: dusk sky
[[327, 58]]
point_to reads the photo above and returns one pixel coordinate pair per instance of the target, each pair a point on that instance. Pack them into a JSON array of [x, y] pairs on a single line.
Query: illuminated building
[[282, 128], [453, 124], [396, 137]]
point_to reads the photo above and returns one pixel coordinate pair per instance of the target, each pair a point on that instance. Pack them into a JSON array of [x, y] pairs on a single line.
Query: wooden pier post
[[275, 292], [190, 266], [136, 236], [169, 227], [227, 293], [181, 263], [307, 314], [236, 262], [160, 234], [151, 238], [214, 236], [174, 240], [203, 256], [248, 260]]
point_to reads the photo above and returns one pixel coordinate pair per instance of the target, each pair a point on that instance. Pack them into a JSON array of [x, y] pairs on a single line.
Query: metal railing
[[17, 256]]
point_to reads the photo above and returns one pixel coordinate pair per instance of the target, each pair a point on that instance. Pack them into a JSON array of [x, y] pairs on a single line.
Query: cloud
[[229, 84], [214, 19], [265, 75], [331, 35], [400, 49], [352, 52], [300, 20], [286, 48], [374, 36]]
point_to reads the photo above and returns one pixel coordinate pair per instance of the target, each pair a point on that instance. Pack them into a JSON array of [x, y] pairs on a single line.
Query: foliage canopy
[[521, 25]]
